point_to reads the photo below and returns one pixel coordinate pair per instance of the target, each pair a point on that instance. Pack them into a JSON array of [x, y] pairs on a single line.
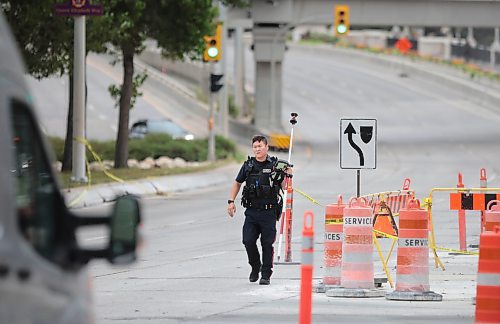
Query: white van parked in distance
[[43, 276]]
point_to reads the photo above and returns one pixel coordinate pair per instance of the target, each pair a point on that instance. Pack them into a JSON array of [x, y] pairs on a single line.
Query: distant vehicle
[[43, 265], [143, 127]]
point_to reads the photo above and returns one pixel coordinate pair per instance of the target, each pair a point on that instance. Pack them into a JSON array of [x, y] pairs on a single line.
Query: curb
[[161, 186]]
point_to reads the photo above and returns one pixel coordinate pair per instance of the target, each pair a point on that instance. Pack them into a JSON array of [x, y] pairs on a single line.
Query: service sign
[[78, 8], [358, 143]]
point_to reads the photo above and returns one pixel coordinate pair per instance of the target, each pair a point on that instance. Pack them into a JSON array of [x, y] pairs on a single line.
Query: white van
[[43, 276]]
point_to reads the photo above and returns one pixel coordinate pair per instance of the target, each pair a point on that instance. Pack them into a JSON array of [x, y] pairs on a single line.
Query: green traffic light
[[341, 29], [212, 52]]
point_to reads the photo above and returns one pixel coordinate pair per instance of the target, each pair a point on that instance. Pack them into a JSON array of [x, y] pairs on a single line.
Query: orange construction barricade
[[492, 215], [357, 275], [384, 221], [334, 214], [412, 274], [488, 278]]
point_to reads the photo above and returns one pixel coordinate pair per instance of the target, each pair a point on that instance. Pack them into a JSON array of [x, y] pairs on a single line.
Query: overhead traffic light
[[341, 19], [214, 82], [212, 52]]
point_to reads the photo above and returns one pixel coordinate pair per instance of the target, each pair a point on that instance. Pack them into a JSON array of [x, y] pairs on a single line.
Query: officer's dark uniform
[[260, 198]]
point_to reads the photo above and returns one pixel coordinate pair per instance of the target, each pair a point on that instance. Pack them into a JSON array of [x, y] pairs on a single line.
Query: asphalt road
[[192, 267], [51, 99]]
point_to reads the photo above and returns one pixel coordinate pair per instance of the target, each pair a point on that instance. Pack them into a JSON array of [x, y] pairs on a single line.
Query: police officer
[[261, 198]]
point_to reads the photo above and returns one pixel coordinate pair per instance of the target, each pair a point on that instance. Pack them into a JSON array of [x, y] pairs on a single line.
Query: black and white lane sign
[[358, 143]]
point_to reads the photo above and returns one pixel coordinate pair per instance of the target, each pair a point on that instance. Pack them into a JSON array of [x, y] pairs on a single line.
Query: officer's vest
[[259, 191]]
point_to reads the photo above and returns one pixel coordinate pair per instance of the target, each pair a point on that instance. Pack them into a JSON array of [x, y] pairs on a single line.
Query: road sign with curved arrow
[[358, 143]]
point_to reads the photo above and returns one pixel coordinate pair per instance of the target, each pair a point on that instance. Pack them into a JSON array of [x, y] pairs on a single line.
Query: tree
[[177, 25], [46, 44]]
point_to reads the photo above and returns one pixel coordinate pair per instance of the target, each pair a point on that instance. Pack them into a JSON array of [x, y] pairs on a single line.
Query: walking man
[[263, 202]]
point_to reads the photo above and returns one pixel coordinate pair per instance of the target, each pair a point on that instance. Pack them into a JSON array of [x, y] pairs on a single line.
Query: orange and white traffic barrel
[[492, 215], [334, 214], [412, 274], [488, 278], [357, 275]]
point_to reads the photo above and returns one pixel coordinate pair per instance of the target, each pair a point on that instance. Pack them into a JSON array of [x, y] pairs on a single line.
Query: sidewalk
[[98, 194]]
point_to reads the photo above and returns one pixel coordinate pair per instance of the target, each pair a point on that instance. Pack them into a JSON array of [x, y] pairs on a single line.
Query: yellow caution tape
[[431, 247], [307, 196], [89, 175], [98, 159], [84, 192], [334, 221], [385, 234], [454, 251]]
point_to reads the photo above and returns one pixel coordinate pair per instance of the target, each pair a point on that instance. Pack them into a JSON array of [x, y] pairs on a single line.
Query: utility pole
[[78, 172], [79, 10], [211, 109]]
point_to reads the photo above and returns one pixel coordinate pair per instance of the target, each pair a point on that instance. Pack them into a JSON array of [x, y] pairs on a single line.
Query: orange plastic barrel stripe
[[413, 224]]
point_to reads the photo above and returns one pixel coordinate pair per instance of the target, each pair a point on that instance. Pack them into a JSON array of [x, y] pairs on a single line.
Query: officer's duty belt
[[263, 207]]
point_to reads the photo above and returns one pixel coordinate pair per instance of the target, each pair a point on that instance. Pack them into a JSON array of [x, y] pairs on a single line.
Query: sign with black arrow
[[358, 143]]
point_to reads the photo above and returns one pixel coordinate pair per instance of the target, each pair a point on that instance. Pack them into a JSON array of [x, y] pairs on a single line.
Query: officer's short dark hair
[[259, 138]]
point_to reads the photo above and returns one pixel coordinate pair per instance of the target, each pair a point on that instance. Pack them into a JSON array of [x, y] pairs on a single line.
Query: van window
[[38, 218]]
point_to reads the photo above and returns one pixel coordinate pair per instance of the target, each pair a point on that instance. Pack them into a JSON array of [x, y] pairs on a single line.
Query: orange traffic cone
[[488, 278]]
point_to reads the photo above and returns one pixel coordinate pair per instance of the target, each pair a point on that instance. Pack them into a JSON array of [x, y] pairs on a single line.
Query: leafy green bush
[[320, 37], [156, 145], [233, 110]]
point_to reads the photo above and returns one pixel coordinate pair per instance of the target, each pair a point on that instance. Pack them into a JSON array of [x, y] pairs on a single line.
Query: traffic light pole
[[223, 96], [211, 109]]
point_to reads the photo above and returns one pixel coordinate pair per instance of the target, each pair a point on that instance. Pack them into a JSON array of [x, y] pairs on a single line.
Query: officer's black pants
[[263, 223]]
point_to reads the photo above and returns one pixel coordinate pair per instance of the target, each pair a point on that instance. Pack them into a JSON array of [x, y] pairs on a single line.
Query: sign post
[[358, 145], [79, 9]]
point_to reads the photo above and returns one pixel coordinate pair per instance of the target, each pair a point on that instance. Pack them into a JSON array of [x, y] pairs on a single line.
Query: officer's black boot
[[264, 281], [254, 275]]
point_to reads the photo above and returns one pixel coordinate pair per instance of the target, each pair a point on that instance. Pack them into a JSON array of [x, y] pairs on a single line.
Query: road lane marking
[[94, 238], [209, 255]]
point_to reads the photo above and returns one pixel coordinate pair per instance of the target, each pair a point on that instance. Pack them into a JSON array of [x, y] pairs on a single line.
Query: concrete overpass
[[271, 20]]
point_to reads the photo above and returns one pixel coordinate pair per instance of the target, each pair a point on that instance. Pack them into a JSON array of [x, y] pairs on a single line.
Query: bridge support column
[[495, 47], [269, 49]]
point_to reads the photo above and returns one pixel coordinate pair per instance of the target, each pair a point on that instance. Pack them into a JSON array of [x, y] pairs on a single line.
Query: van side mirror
[[124, 236], [123, 232]]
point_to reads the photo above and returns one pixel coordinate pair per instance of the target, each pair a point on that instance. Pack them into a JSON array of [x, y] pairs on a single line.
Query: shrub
[[156, 145]]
